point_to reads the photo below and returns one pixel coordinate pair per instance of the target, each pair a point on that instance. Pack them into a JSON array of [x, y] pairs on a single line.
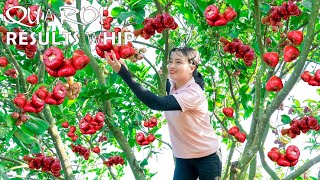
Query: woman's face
[[180, 70]]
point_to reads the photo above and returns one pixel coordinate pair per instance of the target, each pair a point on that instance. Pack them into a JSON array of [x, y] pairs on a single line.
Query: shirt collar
[[191, 81]]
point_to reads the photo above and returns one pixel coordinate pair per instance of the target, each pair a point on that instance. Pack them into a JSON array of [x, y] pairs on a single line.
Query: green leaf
[[296, 103], [35, 127], [144, 162], [235, 3], [124, 15], [264, 7], [188, 15], [307, 4], [3, 176], [35, 149], [23, 137], [285, 119], [10, 134], [116, 11], [56, 4], [4, 131]]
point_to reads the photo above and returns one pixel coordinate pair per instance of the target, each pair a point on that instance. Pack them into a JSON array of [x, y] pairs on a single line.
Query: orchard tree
[[65, 114]]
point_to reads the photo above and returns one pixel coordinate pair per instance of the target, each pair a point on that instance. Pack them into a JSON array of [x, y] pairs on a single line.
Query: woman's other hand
[[114, 62]]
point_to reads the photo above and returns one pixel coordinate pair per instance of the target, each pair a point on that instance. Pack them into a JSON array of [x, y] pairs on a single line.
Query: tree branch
[[303, 168]]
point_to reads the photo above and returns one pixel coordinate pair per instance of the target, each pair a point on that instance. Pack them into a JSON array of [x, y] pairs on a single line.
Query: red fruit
[[306, 76], [29, 108], [59, 92], [167, 20], [53, 73], [88, 118], [53, 58], [74, 138], [15, 115], [224, 40], [126, 51], [296, 37], [55, 166], [230, 14], [96, 150], [293, 9], [211, 23], [70, 134], [274, 154], [140, 137], [291, 134], [243, 49], [3, 61], [317, 75], [312, 123], [284, 131], [27, 158], [271, 58], [32, 79], [234, 130], [290, 53], [50, 99], [145, 142], [146, 124], [66, 69], [293, 163], [153, 121], [292, 153], [283, 161], [274, 84], [42, 92], [20, 100], [211, 12], [84, 126], [313, 82], [99, 117], [79, 59], [228, 112], [36, 101], [151, 138], [65, 124], [240, 136], [72, 128], [221, 21]]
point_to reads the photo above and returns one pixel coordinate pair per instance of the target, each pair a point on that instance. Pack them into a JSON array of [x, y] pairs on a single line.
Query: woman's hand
[[114, 62]]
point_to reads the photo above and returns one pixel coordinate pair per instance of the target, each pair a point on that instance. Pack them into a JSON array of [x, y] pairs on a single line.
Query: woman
[[194, 143]]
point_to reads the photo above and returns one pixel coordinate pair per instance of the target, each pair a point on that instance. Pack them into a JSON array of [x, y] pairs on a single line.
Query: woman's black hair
[[193, 58]]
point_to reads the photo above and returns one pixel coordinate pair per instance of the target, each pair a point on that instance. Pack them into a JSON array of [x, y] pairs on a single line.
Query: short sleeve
[[190, 98]]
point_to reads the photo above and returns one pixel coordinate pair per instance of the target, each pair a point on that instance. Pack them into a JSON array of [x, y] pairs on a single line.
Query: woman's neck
[[179, 84]]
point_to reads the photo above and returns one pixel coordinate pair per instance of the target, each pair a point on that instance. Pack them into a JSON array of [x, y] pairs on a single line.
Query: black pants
[[206, 168]]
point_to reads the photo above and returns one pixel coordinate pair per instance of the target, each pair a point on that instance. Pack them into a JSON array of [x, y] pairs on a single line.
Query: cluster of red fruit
[[45, 163], [58, 66], [11, 73], [290, 52], [240, 136], [157, 24], [29, 49], [289, 158], [215, 18], [241, 51], [311, 80], [71, 132], [106, 20], [104, 46], [115, 160], [20, 118], [89, 125], [142, 140], [228, 111], [34, 11], [151, 123], [284, 11], [82, 151], [274, 84], [304, 125]]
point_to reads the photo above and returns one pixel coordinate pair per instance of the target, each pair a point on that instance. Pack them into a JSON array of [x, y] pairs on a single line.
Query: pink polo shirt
[[191, 134]]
